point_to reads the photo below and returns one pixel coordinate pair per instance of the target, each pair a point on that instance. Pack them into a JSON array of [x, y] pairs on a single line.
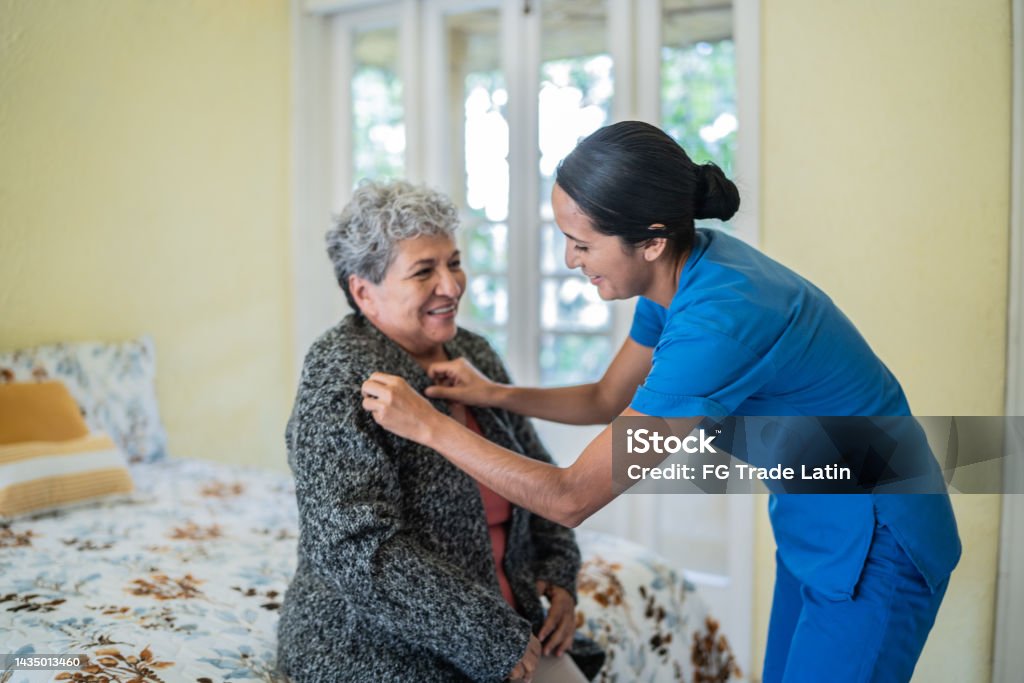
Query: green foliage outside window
[[698, 85], [378, 126]]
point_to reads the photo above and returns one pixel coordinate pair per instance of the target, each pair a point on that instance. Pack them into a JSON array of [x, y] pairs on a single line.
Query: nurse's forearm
[[596, 403], [547, 490], [583, 404]]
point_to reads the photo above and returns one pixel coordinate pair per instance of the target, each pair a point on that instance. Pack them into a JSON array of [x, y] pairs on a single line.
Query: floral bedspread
[[183, 582]]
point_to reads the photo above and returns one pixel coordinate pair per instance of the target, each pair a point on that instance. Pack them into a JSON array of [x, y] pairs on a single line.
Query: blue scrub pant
[[875, 637]]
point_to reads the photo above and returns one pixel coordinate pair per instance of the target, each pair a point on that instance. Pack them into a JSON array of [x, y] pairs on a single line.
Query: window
[[546, 319], [574, 98], [479, 131], [378, 119], [698, 80], [552, 325]]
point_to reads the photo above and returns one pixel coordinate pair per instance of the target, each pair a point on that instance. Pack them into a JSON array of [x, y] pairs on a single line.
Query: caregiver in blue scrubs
[[720, 329]]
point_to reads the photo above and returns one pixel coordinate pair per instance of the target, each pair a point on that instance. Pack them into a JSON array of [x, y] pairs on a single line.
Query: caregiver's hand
[[560, 625], [397, 408], [457, 380]]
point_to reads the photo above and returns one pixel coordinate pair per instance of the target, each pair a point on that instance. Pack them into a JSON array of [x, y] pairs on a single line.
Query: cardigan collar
[[398, 360]]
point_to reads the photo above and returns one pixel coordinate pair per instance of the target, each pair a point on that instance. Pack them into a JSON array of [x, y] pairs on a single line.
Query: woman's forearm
[[583, 404], [544, 489], [586, 404], [564, 495]]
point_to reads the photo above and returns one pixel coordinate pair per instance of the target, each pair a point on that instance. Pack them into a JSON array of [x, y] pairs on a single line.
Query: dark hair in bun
[[631, 175], [717, 196]]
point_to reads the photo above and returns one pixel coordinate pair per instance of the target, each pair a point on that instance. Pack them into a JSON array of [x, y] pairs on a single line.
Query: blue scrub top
[[744, 335]]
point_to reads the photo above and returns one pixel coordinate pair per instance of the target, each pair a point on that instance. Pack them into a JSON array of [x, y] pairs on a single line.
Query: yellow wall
[[143, 188], [885, 180]]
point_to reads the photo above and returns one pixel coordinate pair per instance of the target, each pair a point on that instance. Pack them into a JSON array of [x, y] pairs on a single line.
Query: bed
[[182, 580]]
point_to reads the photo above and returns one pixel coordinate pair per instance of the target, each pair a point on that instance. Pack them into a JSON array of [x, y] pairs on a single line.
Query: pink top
[[499, 512]]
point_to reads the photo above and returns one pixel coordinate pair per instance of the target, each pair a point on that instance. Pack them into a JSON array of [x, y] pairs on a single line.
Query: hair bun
[[717, 196]]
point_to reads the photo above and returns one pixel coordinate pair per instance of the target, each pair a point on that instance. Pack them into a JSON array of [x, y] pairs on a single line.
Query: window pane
[[378, 128], [480, 174], [485, 248], [479, 99], [575, 99], [552, 250], [576, 83], [698, 79], [572, 358], [486, 144], [571, 304], [486, 301]]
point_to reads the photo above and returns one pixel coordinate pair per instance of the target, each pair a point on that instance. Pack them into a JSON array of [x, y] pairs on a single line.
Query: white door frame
[[1008, 656]]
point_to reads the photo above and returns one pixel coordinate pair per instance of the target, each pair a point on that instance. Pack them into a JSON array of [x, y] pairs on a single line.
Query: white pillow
[[113, 383]]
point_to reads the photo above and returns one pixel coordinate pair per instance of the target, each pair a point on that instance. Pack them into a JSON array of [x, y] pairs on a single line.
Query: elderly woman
[[408, 569]]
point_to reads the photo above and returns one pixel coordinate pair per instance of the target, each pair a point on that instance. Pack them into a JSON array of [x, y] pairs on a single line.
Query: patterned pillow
[[114, 384]]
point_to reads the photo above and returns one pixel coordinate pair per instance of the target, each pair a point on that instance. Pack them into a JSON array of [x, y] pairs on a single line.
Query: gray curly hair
[[381, 214]]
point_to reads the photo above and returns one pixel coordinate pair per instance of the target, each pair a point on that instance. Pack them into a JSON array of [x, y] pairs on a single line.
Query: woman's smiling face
[[416, 302], [618, 271]]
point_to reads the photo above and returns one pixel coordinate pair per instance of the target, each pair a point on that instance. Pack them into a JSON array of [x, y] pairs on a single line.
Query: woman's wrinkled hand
[[396, 407], [457, 380], [560, 624], [527, 665]]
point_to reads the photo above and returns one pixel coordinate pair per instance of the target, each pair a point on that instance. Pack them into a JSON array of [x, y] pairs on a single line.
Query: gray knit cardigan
[[395, 577]]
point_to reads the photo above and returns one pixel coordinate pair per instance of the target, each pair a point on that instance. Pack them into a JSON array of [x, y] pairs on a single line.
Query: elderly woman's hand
[[396, 407], [457, 380], [560, 625], [525, 667]]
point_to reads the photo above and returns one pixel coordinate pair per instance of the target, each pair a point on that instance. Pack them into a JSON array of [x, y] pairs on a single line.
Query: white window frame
[[635, 48]]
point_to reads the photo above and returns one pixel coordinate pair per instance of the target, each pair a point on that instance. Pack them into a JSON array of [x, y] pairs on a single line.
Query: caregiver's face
[[416, 302], [617, 272]]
